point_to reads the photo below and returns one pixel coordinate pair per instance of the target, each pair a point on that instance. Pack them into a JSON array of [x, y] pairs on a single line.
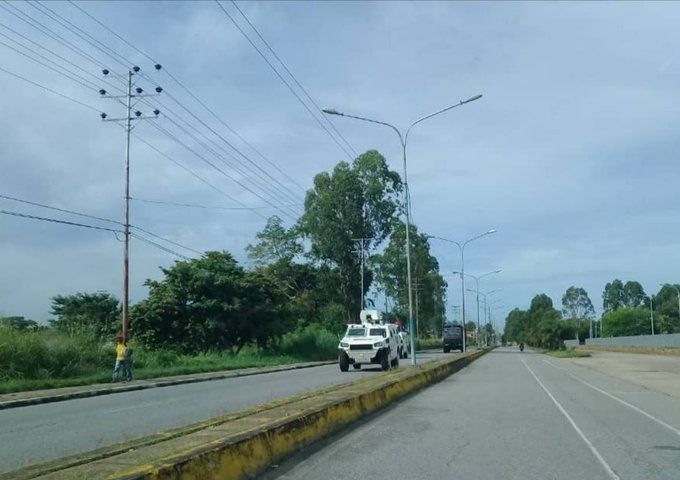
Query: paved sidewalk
[[21, 399]]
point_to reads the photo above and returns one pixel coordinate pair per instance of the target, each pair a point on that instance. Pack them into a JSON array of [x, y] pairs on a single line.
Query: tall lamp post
[[461, 247], [403, 139], [477, 279], [478, 293]]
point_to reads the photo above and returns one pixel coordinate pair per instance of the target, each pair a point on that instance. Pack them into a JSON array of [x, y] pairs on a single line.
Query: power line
[[47, 66], [292, 90], [194, 174], [225, 141], [64, 59], [185, 168], [161, 247], [195, 153], [208, 207], [160, 152], [52, 34], [198, 100], [111, 53], [94, 217], [221, 158], [82, 103], [54, 220], [293, 77], [77, 31], [16, 75], [283, 190]]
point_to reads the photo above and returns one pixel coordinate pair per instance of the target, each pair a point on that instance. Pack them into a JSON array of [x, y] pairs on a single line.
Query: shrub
[[312, 342]]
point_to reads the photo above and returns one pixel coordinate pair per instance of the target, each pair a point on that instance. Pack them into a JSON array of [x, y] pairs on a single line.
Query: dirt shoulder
[[630, 349], [655, 372]]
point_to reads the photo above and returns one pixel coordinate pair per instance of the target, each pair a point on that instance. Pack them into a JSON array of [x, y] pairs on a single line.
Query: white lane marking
[[614, 397], [559, 406]]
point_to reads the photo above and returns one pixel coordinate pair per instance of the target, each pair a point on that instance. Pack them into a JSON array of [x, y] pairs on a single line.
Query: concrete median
[[246, 445]]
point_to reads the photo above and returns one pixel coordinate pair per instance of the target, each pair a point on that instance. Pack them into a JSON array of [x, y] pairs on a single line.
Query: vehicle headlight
[[344, 345], [378, 344]]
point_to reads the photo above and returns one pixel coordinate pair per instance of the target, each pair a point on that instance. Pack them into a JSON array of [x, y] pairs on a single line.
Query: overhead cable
[[285, 82], [304, 90], [191, 93]]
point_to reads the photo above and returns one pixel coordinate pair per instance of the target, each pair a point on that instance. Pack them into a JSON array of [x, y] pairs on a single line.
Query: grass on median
[[568, 353]]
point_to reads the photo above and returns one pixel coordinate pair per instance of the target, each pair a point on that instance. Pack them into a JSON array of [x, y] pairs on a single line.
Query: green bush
[[428, 343], [49, 354], [311, 343]]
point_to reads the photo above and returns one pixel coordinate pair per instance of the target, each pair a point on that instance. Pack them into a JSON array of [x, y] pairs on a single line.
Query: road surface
[[39, 433], [510, 416]]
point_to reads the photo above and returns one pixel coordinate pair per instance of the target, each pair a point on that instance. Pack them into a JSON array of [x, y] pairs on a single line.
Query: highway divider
[[247, 445]]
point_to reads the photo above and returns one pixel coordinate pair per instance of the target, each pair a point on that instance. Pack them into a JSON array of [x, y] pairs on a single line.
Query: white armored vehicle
[[369, 342]]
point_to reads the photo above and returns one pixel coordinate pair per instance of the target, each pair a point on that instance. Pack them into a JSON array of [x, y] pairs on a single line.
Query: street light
[[403, 139], [477, 279], [461, 247], [651, 310], [478, 293]]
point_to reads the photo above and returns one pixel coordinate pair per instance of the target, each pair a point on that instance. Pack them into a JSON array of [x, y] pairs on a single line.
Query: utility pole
[[361, 253], [130, 116]]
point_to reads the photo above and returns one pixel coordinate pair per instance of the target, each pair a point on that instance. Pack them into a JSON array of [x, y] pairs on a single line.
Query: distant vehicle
[[370, 342], [452, 338], [405, 344]]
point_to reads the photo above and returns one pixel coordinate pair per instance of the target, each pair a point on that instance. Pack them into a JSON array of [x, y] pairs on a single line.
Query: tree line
[[626, 310], [304, 276]]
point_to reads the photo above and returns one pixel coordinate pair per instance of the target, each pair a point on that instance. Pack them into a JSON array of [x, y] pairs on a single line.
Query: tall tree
[[617, 294], [96, 314], [633, 294], [276, 244], [354, 201], [667, 309], [576, 304], [428, 284], [209, 303]]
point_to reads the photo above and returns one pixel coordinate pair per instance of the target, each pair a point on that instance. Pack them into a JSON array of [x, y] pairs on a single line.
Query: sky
[[569, 154]]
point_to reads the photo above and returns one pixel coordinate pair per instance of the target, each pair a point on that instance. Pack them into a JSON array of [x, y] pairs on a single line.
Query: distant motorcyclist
[[521, 347]]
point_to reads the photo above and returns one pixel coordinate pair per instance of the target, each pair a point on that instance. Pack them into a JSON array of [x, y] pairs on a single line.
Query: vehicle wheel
[[357, 366], [395, 362], [447, 349], [385, 361], [343, 360]]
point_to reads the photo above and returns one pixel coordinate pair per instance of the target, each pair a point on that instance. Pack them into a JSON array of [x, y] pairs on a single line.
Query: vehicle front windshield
[[356, 332], [378, 332]]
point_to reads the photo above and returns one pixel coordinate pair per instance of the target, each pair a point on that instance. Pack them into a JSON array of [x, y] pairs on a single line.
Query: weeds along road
[[39, 433], [511, 416]]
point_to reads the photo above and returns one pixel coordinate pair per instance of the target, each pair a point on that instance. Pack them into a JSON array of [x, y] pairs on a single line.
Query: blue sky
[[570, 154]]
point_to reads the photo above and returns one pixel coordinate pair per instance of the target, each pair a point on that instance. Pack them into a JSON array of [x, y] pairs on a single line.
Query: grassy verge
[[568, 353], [189, 366], [34, 360]]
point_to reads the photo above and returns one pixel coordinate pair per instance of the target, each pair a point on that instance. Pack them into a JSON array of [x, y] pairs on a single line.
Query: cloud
[[569, 154]]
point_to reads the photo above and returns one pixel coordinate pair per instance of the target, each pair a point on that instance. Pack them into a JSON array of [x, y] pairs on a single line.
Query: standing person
[[123, 360]]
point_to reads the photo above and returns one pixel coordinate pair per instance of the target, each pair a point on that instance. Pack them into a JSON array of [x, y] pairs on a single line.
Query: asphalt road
[[39, 433], [513, 416]]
